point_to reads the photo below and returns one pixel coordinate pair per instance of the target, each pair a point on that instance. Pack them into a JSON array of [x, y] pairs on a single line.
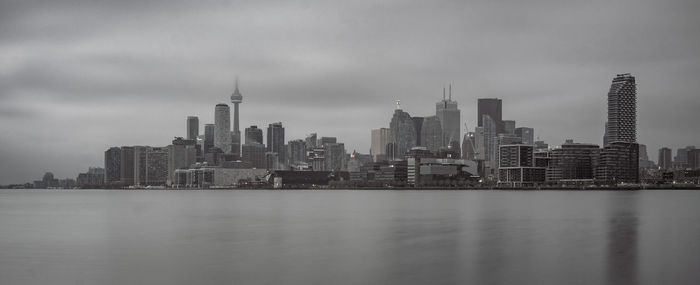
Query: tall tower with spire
[[449, 116], [236, 98]]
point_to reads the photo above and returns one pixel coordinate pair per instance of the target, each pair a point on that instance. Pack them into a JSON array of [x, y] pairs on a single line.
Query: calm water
[[349, 237]]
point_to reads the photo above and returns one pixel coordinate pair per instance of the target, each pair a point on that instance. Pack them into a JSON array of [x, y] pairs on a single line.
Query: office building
[[402, 133], [253, 135], [126, 167], [151, 166], [622, 110], [296, 152], [509, 127], [432, 134], [665, 158], [516, 166], [469, 146], [380, 138], [493, 108], [527, 135], [573, 162], [275, 141], [192, 127], [254, 154], [222, 128], [311, 141], [208, 137], [113, 166], [619, 163], [449, 116]]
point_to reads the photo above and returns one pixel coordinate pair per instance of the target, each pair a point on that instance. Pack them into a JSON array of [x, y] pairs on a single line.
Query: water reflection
[[622, 239]]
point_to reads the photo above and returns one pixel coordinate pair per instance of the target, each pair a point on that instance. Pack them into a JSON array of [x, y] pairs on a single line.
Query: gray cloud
[[79, 76]]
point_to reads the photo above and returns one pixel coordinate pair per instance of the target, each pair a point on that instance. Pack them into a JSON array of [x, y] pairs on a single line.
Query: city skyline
[[66, 99]]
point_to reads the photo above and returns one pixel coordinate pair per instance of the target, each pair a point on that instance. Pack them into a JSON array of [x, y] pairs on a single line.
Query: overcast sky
[[77, 77]]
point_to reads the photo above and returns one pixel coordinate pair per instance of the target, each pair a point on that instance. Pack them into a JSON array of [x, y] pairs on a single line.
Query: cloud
[[79, 76]]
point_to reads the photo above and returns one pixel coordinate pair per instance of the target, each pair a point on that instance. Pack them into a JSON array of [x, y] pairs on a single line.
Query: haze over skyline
[[77, 77]]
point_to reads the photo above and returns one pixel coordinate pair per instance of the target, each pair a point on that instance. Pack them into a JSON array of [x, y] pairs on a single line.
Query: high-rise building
[[402, 133], [113, 166], [254, 154], [126, 169], [665, 158], [619, 163], [181, 155], [334, 156], [527, 135], [492, 107], [311, 141], [380, 138], [151, 165], [325, 140], [622, 109], [509, 127], [469, 146], [516, 166], [222, 128], [490, 137], [192, 127], [418, 125], [253, 135], [236, 99], [296, 152], [573, 161], [449, 116], [275, 141], [432, 134], [208, 137]]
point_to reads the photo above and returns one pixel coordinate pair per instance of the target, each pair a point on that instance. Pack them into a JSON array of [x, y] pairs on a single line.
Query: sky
[[77, 77]]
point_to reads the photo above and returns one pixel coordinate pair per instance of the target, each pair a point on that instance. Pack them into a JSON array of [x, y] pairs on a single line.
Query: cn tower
[[236, 98]]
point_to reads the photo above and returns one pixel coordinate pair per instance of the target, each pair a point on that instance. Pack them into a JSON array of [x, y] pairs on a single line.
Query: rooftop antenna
[[443, 93]]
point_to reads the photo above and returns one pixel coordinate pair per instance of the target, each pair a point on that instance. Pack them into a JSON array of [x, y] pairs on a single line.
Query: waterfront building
[[380, 138], [413, 159], [181, 155], [275, 142], [516, 166], [573, 162], [236, 99], [113, 166], [253, 135], [126, 167], [493, 108], [222, 127], [192, 127], [619, 163], [402, 133], [93, 178], [622, 110], [151, 166], [448, 114]]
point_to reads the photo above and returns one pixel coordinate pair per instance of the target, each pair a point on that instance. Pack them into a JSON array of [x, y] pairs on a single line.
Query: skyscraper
[[449, 116], [192, 127], [275, 141], [126, 168], [492, 107], [469, 146], [403, 132], [296, 151], [236, 99], [380, 138], [208, 137], [527, 135], [509, 127], [222, 127], [432, 134], [253, 135], [622, 109], [113, 166], [665, 158]]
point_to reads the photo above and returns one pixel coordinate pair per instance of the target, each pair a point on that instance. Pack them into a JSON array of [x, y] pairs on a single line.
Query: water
[[349, 237]]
